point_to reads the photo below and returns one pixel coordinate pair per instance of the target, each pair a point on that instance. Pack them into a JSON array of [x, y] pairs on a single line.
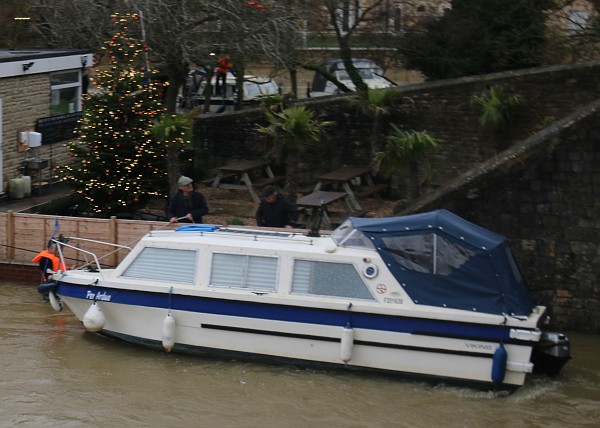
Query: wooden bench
[[209, 181], [371, 190], [262, 182], [306, 189]]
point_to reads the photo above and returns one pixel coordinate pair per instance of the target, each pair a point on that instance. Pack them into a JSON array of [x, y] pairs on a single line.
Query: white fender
[[347, 343], [94, 318], [55, 301], [168, 332]]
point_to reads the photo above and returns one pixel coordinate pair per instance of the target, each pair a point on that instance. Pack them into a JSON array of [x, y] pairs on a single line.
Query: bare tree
[[242, 26], [286, 37], [346, 17], [177, 32], [84, 24]]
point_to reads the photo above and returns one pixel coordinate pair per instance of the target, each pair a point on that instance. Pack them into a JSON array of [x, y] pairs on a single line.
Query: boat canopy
[[443, 260]]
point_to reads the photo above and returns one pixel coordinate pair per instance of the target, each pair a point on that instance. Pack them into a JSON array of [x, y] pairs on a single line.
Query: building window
[[578, 22], [398, 19], [66, 92], [348, 14]]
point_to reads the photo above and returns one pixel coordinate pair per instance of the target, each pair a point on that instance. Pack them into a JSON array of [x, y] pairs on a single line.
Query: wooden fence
[[22, 236]]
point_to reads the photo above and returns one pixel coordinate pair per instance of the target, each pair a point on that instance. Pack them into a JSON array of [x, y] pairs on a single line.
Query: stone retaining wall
[[22, 104], [544, 195], [442, 108]]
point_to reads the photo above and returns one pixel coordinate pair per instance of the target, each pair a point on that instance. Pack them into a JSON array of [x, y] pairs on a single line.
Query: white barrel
[[168, 332], [347, 343], [26, 185], [93, 319], [16, 188]]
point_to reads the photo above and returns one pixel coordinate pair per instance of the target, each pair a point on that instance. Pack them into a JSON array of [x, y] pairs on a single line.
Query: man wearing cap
[[187, 206], [274, 210]]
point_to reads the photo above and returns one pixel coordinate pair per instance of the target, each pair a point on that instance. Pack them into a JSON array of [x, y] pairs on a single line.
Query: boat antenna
[[314, 230]]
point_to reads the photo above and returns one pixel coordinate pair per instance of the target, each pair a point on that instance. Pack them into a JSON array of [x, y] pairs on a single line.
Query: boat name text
[[100, 295], [392, 300], [479, 346]]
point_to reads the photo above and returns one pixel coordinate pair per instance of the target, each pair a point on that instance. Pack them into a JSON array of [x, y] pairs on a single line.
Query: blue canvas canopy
[[443, 260]]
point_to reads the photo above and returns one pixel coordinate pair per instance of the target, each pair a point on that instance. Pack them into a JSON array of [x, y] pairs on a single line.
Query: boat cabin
[[432, 259]]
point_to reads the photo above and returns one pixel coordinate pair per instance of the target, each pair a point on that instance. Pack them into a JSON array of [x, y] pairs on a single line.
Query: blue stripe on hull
[[288, 313]]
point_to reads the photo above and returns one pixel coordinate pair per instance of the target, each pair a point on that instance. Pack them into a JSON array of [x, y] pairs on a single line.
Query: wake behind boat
[[428, 294]]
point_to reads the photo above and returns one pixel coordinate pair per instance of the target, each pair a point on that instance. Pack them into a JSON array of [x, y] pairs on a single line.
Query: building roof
[[18, 62], [7, 55]]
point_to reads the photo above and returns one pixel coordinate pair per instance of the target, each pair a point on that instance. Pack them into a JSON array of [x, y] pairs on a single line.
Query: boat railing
[[263, 233], [91, 260]]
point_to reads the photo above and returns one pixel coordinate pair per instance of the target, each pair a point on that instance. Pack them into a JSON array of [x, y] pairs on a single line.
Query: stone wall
[[22, 105], [442, 108], [24, 100], [544, 195]]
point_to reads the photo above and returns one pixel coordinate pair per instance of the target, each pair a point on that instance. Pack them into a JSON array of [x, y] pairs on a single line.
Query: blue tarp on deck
[[443, 260]]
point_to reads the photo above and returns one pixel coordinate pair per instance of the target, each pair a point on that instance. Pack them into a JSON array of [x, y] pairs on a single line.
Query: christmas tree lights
[[117, 164]]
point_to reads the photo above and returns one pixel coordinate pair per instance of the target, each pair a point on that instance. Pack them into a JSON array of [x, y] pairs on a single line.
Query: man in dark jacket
[[274, 210], [187, 206]]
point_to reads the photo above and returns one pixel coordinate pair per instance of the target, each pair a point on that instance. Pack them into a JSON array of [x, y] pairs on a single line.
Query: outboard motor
[[551, 353]]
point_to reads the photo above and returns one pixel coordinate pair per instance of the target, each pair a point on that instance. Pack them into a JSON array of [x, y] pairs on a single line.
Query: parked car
[[371, 73], [255, 88]]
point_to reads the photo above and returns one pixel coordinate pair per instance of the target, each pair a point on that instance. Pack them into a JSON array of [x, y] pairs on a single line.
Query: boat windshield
[[257, 88], [347, 236]]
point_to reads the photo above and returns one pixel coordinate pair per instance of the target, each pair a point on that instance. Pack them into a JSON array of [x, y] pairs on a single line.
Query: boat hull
[[430, 348]]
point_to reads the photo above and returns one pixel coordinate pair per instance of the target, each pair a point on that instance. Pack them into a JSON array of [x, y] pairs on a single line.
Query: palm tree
[[291, 130], [499, 109], [375, 104], [405, 148], [173, 130]]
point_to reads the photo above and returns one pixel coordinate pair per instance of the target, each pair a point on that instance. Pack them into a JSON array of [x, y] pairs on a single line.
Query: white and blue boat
[[429, 295]]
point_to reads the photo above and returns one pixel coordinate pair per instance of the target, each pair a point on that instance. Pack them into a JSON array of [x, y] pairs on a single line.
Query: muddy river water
[[56, 374]]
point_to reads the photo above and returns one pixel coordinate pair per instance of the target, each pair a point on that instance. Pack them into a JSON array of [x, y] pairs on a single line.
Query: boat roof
[[442, 220], [444, 260]]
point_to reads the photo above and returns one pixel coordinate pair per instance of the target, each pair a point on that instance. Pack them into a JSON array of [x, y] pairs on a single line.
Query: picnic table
[[345, 177], [238, 174], [322, 199]]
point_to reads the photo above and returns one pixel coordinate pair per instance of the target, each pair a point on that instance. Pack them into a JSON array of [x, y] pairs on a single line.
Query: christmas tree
[[118, 166]]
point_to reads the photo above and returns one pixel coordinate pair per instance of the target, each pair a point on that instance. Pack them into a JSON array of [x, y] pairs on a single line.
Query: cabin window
[[347, 236], [428, 253], [513, 265], [164, 264], [237, 270], [328, 279]]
